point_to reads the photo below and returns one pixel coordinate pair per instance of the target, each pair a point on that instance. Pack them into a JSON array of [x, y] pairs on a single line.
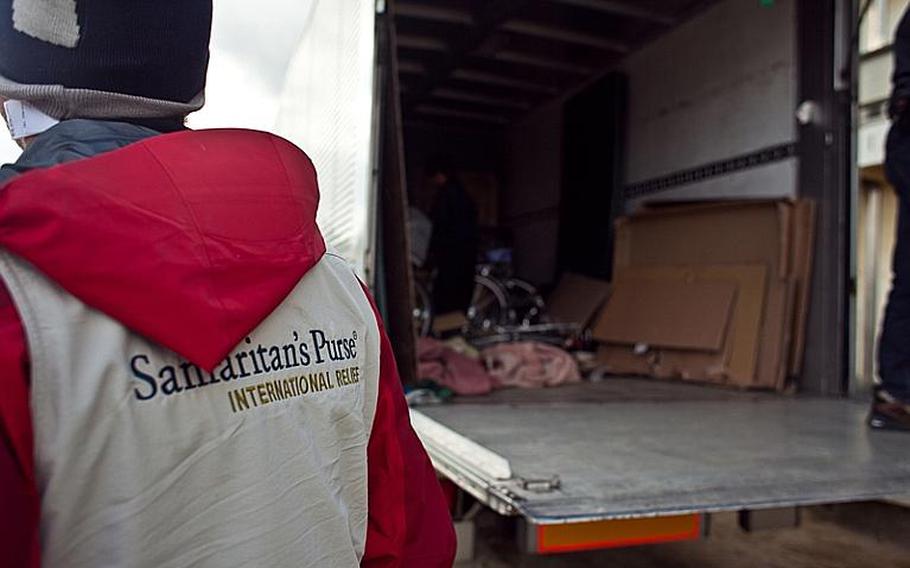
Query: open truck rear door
[[713, 88]]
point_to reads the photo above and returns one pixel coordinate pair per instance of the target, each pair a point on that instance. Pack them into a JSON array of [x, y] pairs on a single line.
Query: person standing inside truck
[[187, 378], [454, 240], [891, 405]]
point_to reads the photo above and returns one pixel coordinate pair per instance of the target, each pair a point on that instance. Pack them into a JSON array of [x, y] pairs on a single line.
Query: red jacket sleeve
[[19, 502], [409, 523]]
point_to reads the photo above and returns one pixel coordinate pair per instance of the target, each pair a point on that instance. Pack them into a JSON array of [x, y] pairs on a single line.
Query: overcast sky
[[252, 43]]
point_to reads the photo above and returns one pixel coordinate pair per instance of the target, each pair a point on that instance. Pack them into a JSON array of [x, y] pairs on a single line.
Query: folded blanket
[[449, 368], [530, 365]]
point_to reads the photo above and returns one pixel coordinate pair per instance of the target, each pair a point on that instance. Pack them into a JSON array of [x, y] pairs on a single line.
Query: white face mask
[[24, 120]]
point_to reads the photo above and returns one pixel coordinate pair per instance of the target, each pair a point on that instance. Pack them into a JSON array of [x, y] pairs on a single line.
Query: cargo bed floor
[[630, 448]]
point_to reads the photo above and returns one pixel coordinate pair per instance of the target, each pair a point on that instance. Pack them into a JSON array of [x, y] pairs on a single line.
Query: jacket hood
[[190, 239]]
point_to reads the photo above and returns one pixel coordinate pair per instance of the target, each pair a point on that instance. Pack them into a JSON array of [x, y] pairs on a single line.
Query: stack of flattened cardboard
[[713, 292], [577, 299]]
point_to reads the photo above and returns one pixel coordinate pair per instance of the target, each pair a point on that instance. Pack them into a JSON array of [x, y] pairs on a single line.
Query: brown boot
[[888, 412]]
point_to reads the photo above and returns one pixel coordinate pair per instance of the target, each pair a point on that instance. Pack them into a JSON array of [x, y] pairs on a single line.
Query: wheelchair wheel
[[525, 304], [489, 306], [422, 315]]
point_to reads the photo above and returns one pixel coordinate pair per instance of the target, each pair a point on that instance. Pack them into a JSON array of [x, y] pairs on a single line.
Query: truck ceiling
[[485, 64]]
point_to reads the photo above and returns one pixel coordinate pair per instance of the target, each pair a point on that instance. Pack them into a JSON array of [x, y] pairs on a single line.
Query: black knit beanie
[[114, 59]]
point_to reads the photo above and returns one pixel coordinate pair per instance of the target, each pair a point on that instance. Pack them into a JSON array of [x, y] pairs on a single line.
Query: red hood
[[190, 239]]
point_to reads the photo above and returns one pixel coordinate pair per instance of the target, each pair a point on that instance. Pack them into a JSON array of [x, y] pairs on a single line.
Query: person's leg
[[447, 289], [894, 344], [890, 408]]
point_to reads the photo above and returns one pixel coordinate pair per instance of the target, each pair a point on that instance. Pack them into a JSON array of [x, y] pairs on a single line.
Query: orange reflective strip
[[616, 534]]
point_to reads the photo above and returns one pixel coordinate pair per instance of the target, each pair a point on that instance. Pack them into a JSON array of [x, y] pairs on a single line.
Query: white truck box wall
[[327, 109], [720, 86], [530, 201]]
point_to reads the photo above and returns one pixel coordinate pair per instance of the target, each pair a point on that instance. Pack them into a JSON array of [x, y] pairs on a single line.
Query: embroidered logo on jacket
[[326, 360]]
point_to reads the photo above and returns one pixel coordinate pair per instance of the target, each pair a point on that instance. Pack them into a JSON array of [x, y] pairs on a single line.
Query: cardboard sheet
[[684, 313], [695, 366], [804, 219], [622, 360], [448, 322], [577, 299], [737, 361], [775, 331], [783, 375], [737, 233]]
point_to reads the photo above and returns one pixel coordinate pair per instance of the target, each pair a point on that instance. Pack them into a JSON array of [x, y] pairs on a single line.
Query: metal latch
[[539, 485]]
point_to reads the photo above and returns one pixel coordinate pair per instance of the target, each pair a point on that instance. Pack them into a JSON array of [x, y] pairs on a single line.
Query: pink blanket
[[530, 365], [451, 369]]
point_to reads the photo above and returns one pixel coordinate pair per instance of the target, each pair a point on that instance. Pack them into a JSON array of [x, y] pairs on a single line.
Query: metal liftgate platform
[[606, 456]]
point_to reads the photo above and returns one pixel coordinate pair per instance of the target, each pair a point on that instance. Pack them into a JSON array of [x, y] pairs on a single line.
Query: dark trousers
[[894, 344], [454, 284]]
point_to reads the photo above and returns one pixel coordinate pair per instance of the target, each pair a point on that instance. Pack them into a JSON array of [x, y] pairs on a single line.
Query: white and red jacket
[[187, 378]]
